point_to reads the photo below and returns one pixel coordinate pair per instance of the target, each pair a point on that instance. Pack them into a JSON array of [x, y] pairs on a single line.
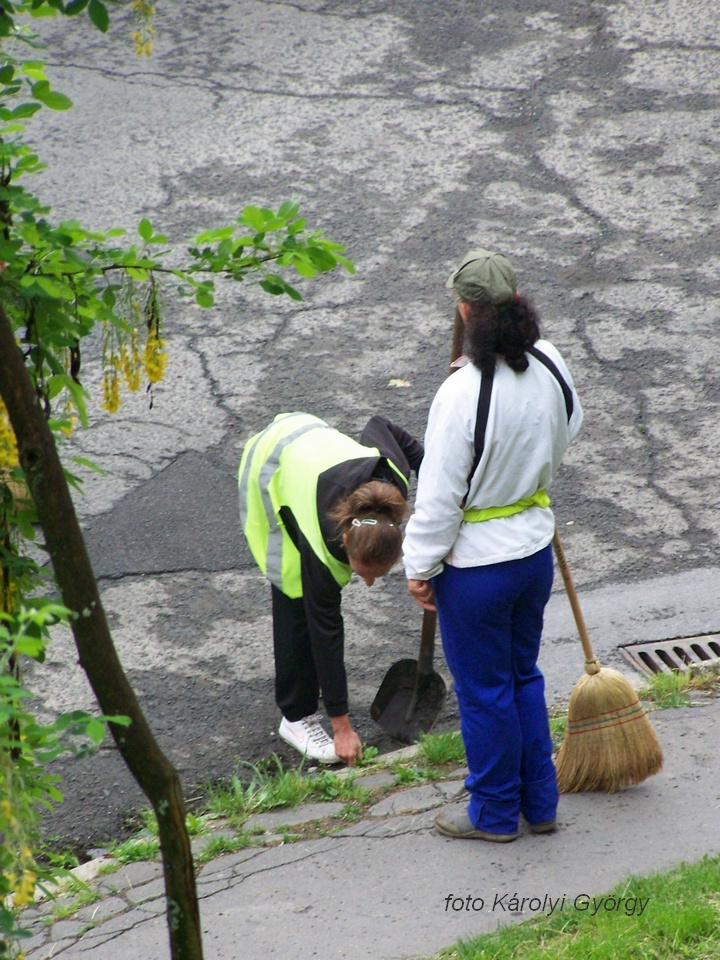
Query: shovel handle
[[425, 658], [427, 643], [590, 658]]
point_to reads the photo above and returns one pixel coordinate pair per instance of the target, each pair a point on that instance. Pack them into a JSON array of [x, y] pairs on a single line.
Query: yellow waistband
[[475, 515]]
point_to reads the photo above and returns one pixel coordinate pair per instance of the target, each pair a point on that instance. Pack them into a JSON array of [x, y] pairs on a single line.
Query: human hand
[[348, 746], [422, 592]]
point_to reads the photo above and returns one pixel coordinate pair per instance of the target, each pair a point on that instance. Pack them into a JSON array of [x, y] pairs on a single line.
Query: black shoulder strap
[[481, 419], [567, 392], [483, 407]]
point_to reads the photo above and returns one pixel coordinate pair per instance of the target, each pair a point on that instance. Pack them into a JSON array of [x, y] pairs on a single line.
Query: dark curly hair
[[509, 330]]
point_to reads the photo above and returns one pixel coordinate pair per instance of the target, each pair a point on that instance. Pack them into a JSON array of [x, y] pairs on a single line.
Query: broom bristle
[[609, 742]]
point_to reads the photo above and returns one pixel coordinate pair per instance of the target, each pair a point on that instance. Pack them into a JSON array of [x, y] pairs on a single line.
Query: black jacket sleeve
[[321, 602], [394, 443]]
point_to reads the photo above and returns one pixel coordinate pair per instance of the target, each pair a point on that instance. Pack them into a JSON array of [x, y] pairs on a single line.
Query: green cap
[[484, 276]]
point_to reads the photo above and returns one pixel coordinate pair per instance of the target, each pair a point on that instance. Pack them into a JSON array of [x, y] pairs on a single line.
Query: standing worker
[[479, 544], [315, 507]]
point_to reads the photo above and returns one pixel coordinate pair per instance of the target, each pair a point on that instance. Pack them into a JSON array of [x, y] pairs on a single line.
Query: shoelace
[[316, 733]]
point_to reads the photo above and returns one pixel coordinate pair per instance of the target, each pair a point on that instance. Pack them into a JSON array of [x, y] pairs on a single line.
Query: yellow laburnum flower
[[8, 443], [130, 364], [25, 890], [69, 429], [155, 358], [111, 391]]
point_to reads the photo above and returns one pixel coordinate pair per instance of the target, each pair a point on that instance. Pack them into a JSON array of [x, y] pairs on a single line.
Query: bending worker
[[479, 544], [316, 506]]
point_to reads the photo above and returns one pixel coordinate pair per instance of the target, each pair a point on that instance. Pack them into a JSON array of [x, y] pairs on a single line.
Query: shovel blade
[[390, 706]]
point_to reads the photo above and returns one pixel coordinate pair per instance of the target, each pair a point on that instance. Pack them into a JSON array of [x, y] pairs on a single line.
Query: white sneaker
[[309, 738]]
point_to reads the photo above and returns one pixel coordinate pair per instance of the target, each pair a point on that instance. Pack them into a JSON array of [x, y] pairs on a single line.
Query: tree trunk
[[75, 578]]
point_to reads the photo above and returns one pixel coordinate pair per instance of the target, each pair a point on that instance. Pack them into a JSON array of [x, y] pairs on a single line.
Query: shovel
[[411, 694]]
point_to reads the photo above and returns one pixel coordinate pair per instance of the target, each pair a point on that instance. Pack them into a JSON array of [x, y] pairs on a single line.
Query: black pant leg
[[296, 684]]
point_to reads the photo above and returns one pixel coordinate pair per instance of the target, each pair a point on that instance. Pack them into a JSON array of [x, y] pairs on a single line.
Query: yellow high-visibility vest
[[280, 467]]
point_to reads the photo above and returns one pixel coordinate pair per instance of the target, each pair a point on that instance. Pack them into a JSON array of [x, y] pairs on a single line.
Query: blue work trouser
[[491, 620]]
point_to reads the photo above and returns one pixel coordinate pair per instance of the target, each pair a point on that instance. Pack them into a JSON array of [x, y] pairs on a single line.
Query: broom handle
[[592, 664], [457, 340]]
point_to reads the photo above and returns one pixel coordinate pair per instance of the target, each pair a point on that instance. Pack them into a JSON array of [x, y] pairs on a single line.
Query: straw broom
[[609, 742]]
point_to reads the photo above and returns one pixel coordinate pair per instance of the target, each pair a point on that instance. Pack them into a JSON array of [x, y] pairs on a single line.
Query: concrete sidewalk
[[389, 886]]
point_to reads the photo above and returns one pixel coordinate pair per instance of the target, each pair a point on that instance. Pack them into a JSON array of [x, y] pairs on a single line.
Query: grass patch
[[441, 748], [558, 726], [680, 921], [271, 787], [219, 845], [406, 774], [83, 898], [668, 690], [368, 758], [136, 848], [196, 826]]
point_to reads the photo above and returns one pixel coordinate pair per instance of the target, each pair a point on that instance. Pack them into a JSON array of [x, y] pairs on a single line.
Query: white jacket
[[527, 434]]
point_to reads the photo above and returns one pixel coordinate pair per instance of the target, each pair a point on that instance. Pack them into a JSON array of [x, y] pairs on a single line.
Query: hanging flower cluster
[[124, 359], [19, 876], [142, 13], [8, 443]]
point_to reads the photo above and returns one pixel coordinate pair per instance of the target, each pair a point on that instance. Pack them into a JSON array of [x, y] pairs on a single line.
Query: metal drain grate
[[668, 655]]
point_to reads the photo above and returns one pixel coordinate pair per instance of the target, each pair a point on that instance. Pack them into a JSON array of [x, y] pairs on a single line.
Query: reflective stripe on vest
[[478, 514]]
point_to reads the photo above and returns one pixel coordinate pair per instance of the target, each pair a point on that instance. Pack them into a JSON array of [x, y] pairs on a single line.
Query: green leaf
[[289, 210], [25, 110], [218, 233], [78, 395], [96, 730], [273, 285], [54, 289], [24, 522], [297, 226], [253, 217], [304, 268], [274, 223], [84, 462], [35, 69], [322, 259], [8, 249], [51, 98], [204, 298], [348, 264], [75, 7], [7, 72], [120, 719], [30, 646], [99, 15], [145, 229], [136, 273]]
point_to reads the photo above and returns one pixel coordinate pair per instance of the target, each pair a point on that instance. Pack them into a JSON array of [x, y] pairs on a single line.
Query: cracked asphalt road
[[581, 139]]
